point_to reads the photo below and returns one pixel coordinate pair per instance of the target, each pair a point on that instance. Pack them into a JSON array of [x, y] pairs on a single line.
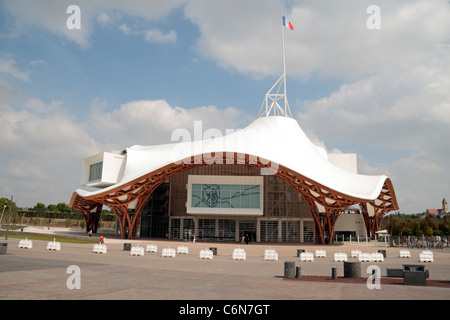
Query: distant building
[[442, 211]]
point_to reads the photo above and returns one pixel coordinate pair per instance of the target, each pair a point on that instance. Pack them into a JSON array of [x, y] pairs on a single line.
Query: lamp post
[[4, 206], [9, 218]]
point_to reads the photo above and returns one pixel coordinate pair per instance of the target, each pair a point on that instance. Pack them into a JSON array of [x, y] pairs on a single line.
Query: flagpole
[[284, 63], [270, 103]]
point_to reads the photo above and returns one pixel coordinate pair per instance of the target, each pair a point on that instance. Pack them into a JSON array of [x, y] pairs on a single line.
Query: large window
[[242, 195], [95, 171], [226, 196]]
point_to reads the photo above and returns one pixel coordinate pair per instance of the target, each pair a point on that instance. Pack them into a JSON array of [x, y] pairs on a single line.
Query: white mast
[[270, 104], [284, 65]]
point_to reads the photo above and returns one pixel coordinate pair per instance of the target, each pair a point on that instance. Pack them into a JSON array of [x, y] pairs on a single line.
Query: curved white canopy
[[275, 138]]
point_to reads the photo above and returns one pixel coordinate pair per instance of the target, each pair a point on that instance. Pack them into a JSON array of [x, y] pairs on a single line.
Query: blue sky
[[137, 70]]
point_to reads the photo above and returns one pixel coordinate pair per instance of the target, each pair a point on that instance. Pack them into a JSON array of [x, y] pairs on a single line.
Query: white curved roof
[[278, 139]]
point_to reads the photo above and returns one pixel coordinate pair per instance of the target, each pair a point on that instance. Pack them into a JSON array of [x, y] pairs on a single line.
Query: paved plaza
[[38, 273]]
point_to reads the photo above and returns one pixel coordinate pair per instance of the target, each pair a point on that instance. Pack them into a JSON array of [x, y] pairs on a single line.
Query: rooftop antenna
[[271, 101]]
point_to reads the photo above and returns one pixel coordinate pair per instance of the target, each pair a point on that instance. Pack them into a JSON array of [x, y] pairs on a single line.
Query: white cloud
[[104, 19], [242, 35], [37, 105], [43, 145], [52, 15], [149, 122], [157, 36], [330, 38], [125, 29], [41, 153], [8, 67], [397, 112]]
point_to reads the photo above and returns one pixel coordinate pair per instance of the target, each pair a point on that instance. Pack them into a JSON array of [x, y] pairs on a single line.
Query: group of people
[[245, 238], [101, 237]]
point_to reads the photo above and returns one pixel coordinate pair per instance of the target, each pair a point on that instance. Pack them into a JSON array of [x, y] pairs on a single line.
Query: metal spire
[[271, 101]]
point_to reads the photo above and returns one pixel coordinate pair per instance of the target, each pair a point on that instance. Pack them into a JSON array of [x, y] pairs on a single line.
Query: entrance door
[[247, 227]]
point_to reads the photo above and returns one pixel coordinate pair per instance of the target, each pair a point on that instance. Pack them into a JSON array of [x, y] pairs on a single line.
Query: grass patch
[[50, 238]]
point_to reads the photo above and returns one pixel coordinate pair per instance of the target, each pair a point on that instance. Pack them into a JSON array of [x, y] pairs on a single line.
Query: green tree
[[428, 226], [40, 207], [63, 207], [444, 227], [5, 203]]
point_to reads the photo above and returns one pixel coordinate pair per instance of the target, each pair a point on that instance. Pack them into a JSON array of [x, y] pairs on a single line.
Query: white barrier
[[182, 250], [239, 254], [404, 254], [206, 254], [25, 244], [340, 256], [364, 257], [152, 248], [99, 248], [137, 251], [376, 257], [320, 253], [54, 245], [355, 253], [306, 256], [426, 256], [370, 257], [168, 252], [271, 255]]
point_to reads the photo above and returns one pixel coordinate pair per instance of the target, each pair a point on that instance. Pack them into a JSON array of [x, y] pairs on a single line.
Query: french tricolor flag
[[287, 23]]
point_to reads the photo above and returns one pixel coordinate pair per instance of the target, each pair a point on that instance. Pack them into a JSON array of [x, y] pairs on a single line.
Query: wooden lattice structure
[[127, 200]]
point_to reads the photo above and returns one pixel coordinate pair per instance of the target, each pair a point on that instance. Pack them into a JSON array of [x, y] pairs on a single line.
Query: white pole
[[284, 66], [9, 219], [4, 206]]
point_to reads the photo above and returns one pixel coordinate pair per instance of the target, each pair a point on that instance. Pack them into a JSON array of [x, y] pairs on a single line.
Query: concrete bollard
[[352, 269], [289, 269], [298, 272], [4, 248], [333, 273]]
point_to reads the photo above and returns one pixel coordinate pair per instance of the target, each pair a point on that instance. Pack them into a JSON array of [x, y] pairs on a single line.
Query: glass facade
[[175, 228], [226, 196], [286, 216], [227, 229], [206, 229], [155, 214], [269, 231]]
